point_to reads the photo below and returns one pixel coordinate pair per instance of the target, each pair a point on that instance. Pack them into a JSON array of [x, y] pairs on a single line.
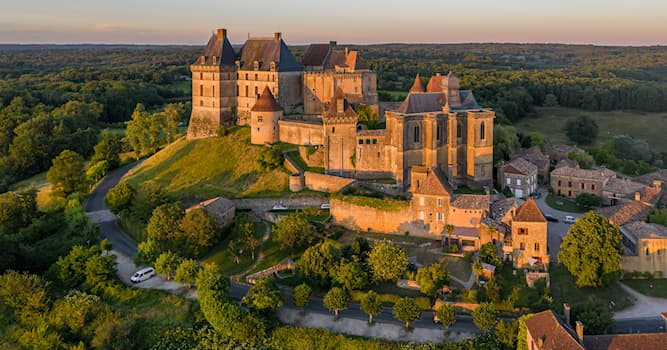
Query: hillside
[[206, 168]]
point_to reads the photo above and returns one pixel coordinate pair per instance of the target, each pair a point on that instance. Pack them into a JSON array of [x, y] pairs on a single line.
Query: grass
[[221, 256], [564, 204], [643, 286], [550, 122], [564, 290], [302, 163], [386, 204], [273, 254], [45, 201], [348, 237], [211, 167]]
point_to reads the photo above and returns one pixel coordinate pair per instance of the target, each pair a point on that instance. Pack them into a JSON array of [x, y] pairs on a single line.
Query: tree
[[186, 272], [24, 294], [485, 316], [585, 160], [521, 336], [336, 300], [506, 333], [550, 100], [488, 253], [587, 201], [432, 278], [166, 264], [658, 216], [173, 114], [367, 116], [371, 305], [293, 231], [446, 314], [301, 295], [449, 228], [17, 210], [108, 149], [595, 316], [537, 139], [350, 275], [406, 310], [252, 243], [119, 197], [105, 245], [318, 262], [269, 159], [478, 270], [163, 226], [505, 140], [96, 171], [147, 252], [199, 231], [234, 249], [146, 132], [582, 130], [591, 251], [387, 261], [631, 148], [67, 175], [148, 196], [264, 295]]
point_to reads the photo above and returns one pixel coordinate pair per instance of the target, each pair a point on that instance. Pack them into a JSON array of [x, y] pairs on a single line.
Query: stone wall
[[654, 261], [300, 133], [325, 183], [268, 203]]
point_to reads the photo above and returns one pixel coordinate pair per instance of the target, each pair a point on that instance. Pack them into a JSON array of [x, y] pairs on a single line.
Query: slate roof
[[533, 155], [266, 102], [627, 212], [265, 51], [596, 174], [500, 208], [639, 230], [427, 102], [220, 48], [471, 201], [434, 183], [643, 341], [571, 163], [316, 54], [519, 166], [617, 185], [529, 212], [553, 334]]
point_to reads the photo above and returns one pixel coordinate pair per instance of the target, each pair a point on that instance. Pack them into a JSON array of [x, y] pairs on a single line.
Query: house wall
[[537, 234], [654, 261], [561, 186]]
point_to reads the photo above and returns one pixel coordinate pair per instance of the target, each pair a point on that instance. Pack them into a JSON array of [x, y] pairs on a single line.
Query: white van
[[142, 275]]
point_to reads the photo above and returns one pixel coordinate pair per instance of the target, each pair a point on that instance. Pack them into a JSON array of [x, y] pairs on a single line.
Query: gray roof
[[220, 48], [428, 102], [265, 51]]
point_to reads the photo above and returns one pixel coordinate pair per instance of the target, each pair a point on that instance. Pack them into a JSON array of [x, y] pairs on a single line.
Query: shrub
[[119, 197]]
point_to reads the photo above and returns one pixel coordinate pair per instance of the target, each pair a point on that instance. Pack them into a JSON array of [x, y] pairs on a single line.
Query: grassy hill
[[650, 127], [206, 168]]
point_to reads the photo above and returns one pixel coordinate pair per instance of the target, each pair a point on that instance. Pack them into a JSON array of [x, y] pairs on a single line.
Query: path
[[260, 254], [468, 284], [643, 307]]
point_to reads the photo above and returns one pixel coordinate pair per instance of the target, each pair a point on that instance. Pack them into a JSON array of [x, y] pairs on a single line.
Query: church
[[314, 102]]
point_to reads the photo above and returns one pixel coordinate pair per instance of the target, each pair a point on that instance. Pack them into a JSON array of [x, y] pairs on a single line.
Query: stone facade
[[520, 176], [571, 182], [648, 245], [529, 238]]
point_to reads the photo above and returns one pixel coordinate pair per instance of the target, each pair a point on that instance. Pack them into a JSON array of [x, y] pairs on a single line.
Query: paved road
[[556, 230]]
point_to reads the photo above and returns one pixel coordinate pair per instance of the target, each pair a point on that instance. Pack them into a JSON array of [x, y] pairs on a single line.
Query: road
[[556, 230]]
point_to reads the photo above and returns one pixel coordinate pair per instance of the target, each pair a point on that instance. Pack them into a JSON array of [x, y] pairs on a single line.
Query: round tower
[[264, 116]]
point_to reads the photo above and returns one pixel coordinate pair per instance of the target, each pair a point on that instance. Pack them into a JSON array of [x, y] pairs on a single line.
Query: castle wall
[[264, 127], [654, 262], [285, 86], [362, 218], [300, 133], [320, 87], [325, 183], [213, 99], [371, 160], [465, 217], [339, 144]]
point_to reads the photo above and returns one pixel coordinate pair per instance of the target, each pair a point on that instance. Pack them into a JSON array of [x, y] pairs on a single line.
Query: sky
[[601, 22]]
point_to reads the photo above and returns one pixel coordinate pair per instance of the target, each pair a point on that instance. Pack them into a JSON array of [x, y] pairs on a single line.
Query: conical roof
[[266, 102], [417, 86], [529, 212]]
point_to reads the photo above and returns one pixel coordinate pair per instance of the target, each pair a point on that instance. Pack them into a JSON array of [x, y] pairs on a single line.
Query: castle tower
[[340, 136], [213, 87], [450, 86], [264, 116]]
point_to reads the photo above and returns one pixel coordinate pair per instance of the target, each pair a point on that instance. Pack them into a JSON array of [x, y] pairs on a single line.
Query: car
[[279, 207], [325, 206], [550, 218], [142, 275], [570, 219]]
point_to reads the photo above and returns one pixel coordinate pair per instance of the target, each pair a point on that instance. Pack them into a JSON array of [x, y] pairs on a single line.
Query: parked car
[[537, 195], [279, 207], [325, 206], [550, 218], [142, 275], [570, 219]]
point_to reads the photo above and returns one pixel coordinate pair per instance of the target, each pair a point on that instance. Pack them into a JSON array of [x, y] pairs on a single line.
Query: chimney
[[347, 51], [222, 33], [638, 196], [657, 183], [277, 36], [567, 312], [332, 44], [580, 332]]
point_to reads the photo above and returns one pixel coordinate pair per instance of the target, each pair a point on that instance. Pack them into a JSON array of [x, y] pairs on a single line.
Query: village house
[[535, 155], [520, 176], [646, 248], [571, 182]]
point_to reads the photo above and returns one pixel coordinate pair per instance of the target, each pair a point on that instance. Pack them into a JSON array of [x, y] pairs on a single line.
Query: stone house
[[222, 209], [520, 176], [559, 151], [535, 155], [571, 182], [529, 238], [646, 248]]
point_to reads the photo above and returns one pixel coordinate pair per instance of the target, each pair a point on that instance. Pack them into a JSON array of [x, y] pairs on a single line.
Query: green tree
[[350, 275], [301, 295], [173, 114], [591, 251], [99, 271], [264, 295], [163, 226], [587, 200], [449, 229], [148, 196], [387, 261], [293, 231], [17, 210], [269, 159], [67, 175], [199, 232], [506, 333], [109, 149], [521, 336], [146, 132], [505, 140], [485, 316], [488, 253], [96, 171], [234, 248], [406, 310], [147, 252], [186, 272], [582, 130], [658, 216], [550, 100], [105, 245], [371, 305], [119, 197], [319, 261], [595, 316], [432, 278], [336, 300], [537, 139], [478, 270], [367, 116], [446, 314], [166, 264], [585, 160], [25, 294]]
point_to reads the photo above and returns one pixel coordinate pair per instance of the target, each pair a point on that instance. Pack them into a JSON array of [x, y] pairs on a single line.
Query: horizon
[[169, 22]]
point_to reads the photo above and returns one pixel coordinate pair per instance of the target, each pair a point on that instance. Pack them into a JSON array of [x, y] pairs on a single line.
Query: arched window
[[482, 131]]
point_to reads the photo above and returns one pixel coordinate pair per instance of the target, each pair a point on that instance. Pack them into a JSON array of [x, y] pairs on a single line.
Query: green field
[[564, 290], [643, 286], [564, 204], [211, 167], [650, 127], [221, 256]]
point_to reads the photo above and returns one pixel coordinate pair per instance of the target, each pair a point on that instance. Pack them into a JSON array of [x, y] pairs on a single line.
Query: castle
[[312, 103]]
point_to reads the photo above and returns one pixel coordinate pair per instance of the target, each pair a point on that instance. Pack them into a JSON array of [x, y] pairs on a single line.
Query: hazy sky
[[615, 22]]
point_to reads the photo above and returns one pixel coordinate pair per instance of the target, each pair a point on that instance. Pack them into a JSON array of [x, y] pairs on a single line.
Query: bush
[[587, 201], [119, 197]]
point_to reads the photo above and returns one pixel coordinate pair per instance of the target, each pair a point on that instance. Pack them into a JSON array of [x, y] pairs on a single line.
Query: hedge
[[390, 299], [385, 204]]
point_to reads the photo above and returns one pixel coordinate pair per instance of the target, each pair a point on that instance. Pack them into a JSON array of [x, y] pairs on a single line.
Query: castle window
[[361, 142], [559, 183], [522, 231], [459, 130], [257, 91], [437, 133], [416, 134], [441, 217], [440, 202], [237, 76], [201, 103], [368, 141], [213, 89], [237, 91], [246, 91], [256, 77], [201, 76], [201, 90], [260, 119], [375, 141], [537, 247], [333, 130], [522, 246], [273, 78], [647, 252], [582, 185], [569, 184], [246, 76], [592, 186], [482, 130], [378, 154]]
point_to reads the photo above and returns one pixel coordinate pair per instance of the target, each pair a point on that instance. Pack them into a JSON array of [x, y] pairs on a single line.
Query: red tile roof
[[553, 335], [529, 212], [643, 341], [471, 201], [417, 86], [432, 184]]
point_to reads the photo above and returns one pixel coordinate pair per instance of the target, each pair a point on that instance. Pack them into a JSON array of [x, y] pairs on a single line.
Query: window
[[378, 154], [569, 184], [569, 193], [201, 76], [201, 103], [440, 202], [361, 142], [482, 130], [421, 215], [559, 183], [537, 247], [421, 200], [237, 91], [213, 89], [509, 181], [583, 185], [246, 76], [522, 231], [246, 91], [333, 130], [416, 134], [592, 186], [441, 217], [201, 90], [260, 119], [459, 130], [257, 91], [522, 246], [256, 77], [518, 182], [375, 141], [438, 133]]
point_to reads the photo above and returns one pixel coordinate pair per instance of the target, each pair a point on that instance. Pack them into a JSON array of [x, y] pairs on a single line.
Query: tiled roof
[[316, 54], [373, 132], [640, 229], [417, 86], [643, 341], [435, 83], [649, 178], [571, 163], [266, 102], [529, 212], [627, 212], [596, 174], [427, 102], [471, 201], [500, 208], [433, 184], [547, 328], [652, 195], [221, 48], [333, 112], [265, 51], [520, 166], [533, 155], [622, 186], [355, 61]]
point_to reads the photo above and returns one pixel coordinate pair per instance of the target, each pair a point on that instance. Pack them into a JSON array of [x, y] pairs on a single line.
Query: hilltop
[[206, 168]]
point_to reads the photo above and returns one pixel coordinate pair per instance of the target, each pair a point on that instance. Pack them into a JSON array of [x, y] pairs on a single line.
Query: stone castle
[[314, 103]]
